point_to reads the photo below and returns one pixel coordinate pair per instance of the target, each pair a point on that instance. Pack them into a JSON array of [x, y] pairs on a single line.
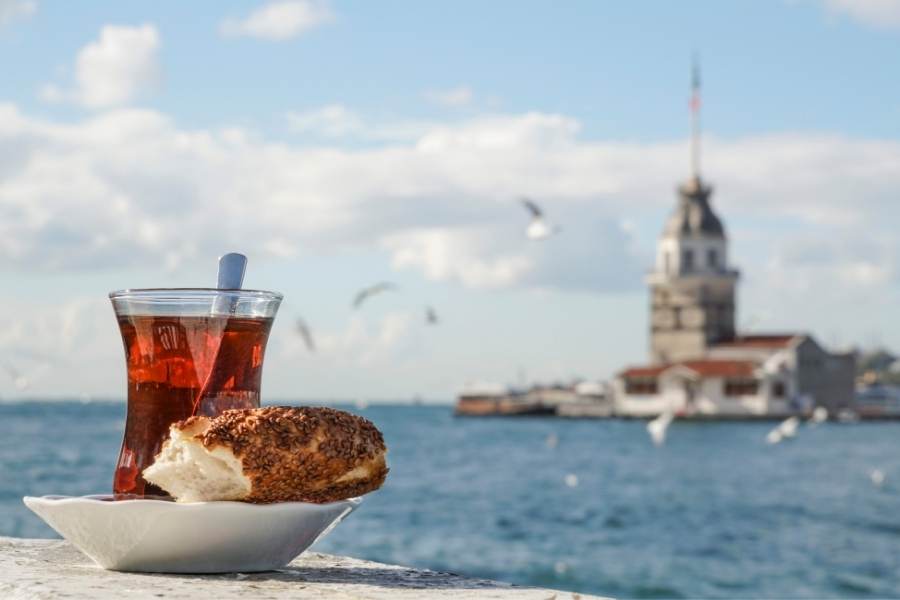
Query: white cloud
[[129, 187], [852, 259], [10, 10], [393, 338], [453, 98], [593, 254], [812, 219], [52, 93], [466, 255], [337, 122], [279, 20], [503, 131], [113, 70], [331, 121], [826, 180], [883, 14], [57, 347]]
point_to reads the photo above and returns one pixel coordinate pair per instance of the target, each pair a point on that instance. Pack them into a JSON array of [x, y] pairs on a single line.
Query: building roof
[[704, 368], [644, 371], [693, 215], [771, 340]]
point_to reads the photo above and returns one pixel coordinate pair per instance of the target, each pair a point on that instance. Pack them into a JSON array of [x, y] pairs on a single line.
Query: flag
[[695, 88]]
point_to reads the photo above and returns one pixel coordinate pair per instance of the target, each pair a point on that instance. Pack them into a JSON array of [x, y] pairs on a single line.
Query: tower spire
[[695, 117]]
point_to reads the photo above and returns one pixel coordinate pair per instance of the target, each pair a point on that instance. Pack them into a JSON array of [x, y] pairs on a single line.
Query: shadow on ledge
[[372, 576]]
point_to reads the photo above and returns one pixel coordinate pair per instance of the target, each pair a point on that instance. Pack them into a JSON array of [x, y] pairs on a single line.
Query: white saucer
[[195, 537]]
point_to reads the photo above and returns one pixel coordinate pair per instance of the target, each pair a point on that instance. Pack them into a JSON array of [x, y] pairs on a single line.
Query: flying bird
[[305, 333], [363, 294], [19, 379], [819, 415], [658, 426], [774, 437], [22, 381], [877, 476], [785, 430], [431, 317], [789, 427], [538, 228]]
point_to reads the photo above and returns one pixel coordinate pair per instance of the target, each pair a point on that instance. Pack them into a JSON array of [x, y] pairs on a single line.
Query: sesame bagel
[[272, 454]]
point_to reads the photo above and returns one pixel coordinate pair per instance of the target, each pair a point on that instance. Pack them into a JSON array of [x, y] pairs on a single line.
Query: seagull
[[789, 427], [538, 228], [785, 430], [571, 480], [552, 441], [306, 334], [819, 415], [431, 317], [20, 380], [877, 476], [658, 426], [364, 293]]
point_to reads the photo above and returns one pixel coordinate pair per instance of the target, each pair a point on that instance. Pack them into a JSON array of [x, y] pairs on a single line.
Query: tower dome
[[693, 217]]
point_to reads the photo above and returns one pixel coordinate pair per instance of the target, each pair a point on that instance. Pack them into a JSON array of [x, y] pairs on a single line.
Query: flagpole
[[695, 118]]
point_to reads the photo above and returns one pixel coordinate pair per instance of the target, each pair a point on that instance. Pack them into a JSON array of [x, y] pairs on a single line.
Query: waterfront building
[[701, 365], [748, 376]]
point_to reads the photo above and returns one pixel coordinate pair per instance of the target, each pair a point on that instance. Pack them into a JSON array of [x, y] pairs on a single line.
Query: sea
[[582, 505]]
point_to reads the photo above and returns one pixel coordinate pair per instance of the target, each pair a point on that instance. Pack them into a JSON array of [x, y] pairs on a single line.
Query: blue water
[[716, 513]]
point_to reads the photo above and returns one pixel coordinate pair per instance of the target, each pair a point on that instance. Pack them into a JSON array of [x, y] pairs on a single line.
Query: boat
[[878, 401], [481, 400]]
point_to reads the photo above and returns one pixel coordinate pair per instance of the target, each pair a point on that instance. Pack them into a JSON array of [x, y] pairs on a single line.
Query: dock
[[583, 399], [51, 569]]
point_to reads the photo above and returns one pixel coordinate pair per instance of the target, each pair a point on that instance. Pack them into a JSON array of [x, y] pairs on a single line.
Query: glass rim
[[186, 293]]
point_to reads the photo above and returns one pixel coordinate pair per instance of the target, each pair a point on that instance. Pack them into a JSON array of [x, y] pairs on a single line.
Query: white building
[[752, 376]]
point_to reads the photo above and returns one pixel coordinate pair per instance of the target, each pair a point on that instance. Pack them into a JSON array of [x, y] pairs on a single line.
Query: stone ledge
[[50, 569]]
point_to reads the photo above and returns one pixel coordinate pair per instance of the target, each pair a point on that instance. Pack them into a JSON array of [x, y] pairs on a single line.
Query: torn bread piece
[[272, 454]]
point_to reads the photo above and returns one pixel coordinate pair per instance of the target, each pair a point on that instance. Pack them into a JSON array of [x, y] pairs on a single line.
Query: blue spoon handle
[[231, 271]]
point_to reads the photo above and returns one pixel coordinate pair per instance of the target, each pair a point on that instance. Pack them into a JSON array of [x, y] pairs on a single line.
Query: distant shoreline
[[353, 406]]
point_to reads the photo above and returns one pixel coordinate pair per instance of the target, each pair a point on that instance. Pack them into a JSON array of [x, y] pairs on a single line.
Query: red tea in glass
[[188, 352]]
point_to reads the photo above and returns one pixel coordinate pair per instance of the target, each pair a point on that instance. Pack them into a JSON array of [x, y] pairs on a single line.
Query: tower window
[[687, 260], [712, 258]]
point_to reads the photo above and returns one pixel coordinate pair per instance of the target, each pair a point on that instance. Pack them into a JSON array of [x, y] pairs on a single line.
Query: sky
[[342, 143]]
